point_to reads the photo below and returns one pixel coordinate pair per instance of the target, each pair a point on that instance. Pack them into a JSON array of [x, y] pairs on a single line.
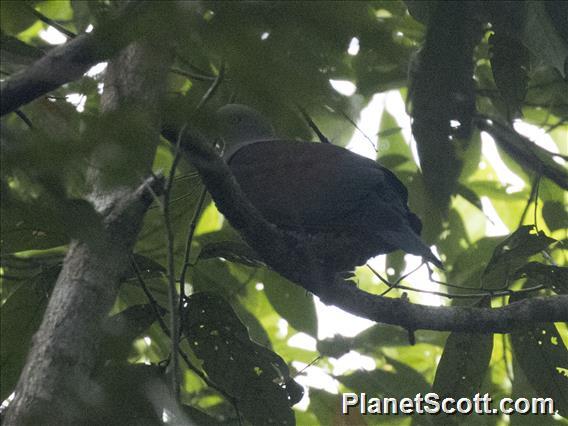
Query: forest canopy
[[140, 286]]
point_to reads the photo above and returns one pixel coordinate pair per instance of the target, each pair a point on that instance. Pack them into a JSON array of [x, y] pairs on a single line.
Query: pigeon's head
[[240, 125]]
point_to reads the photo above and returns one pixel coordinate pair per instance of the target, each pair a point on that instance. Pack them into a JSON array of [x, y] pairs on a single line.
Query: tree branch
[[55, 386], [525, 152], [55, 380], [289, 255], [71, 60]]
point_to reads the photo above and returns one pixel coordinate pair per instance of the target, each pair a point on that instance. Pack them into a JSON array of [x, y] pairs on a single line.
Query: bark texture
[[71, 60], [55, 385]]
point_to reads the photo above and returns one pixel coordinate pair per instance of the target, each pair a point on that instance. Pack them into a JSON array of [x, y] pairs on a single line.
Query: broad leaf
[[464, 364], [543, 357], [121, 329], [513, 252], [292, 302], [551, 276], [256, 377]]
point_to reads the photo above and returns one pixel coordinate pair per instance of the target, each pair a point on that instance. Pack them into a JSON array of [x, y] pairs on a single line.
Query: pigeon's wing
[[323, 188], [319, 186]]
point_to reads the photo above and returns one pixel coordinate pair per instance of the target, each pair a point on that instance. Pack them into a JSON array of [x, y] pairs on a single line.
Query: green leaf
[[523, 389], [456, 239], [56, 10], [462, 369], [120, 331], [420, 10], [513, 252], [184, 197], [147, 266], [127, 394], [470, 154], [392, 147], [26, 226], [292, 302], [199, 418], [495, 190], [509, 63], [16, 16], [555, 215], [542, 39], [543, 356], [392, 161], [427, 209], [527, 155], [81, 14], [551, 276], [214, 275], [382, 335], [395, 381], [396, 261], [464, 364], [324, 405], [233, 251], [524, 242], [256, 377], [255, 328], [374, 339], [16, 53], [470, 196], [442, 107]]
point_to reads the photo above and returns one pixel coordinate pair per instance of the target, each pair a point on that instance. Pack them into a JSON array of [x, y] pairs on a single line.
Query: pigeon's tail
[[410, 242]]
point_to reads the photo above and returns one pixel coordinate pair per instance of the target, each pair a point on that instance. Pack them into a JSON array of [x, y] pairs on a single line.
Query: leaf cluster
[[485, 66]]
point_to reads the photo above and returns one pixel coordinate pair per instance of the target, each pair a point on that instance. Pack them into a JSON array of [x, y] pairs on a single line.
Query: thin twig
[[156, 307], [190, 233], [187, 176], [388, 132], [192, 75], [312, 125], [176, 200], [532, 195], [537, 184], [397, 282], [489, 293], [352, 122], [447, 284], [313, 362], [153, 303], [174, 312], [555, 126], [194, 68], [24, 118], [213, 88], [67, 33], [497, 293]]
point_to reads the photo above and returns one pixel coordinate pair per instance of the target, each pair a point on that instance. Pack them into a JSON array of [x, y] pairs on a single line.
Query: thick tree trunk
[[55, 384]]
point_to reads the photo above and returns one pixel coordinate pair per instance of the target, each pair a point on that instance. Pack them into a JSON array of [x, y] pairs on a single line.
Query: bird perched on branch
[[354, 206]]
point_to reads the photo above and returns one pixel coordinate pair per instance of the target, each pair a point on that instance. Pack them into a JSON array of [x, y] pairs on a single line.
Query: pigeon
[[352, 206]]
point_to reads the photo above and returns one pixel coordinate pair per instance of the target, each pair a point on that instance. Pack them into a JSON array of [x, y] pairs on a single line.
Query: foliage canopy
[[463, 68]]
